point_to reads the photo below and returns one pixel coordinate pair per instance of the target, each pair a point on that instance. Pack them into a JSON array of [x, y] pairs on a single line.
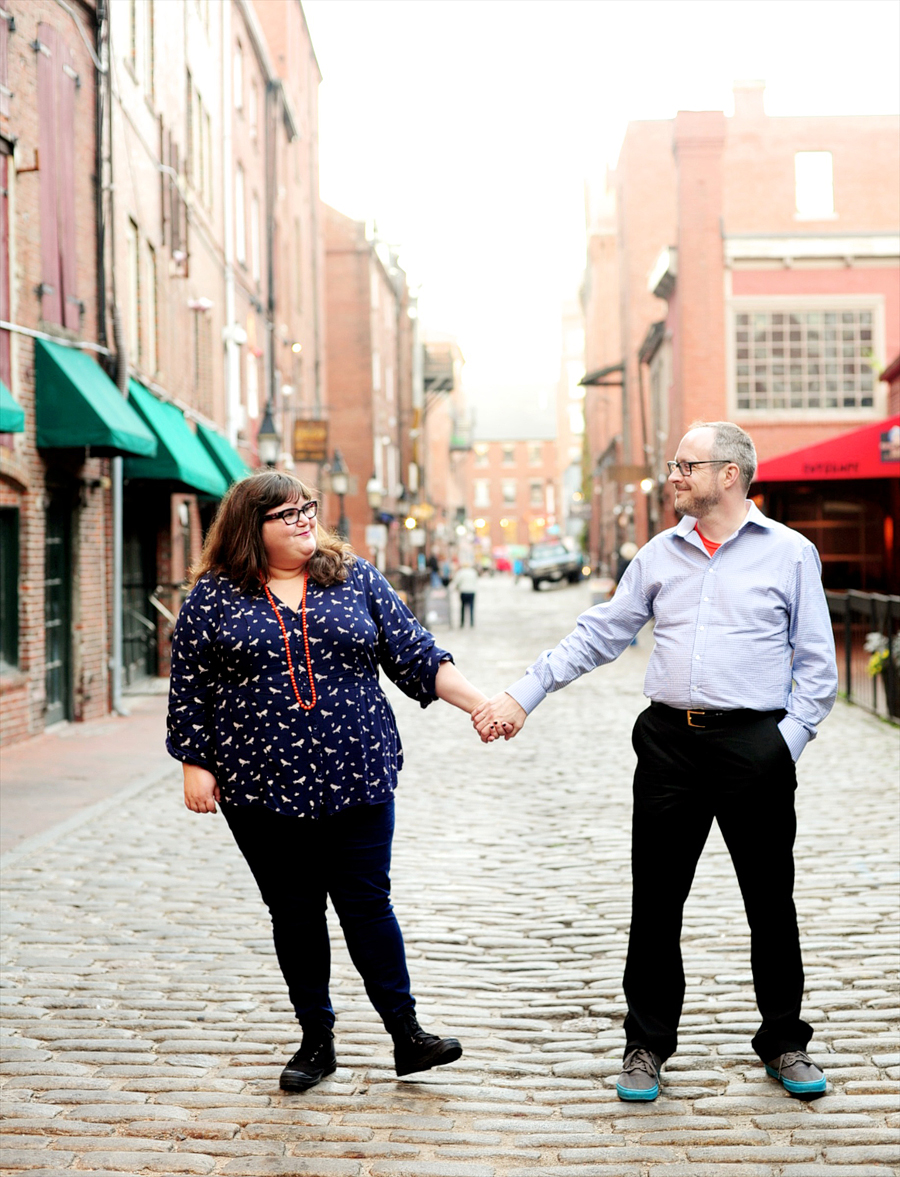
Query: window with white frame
[[804, 359], [509, 455], [252, 386], [240, 217], [536, 493], [814, 184], [253, 110], [509, 490], [482, 492], [535, 453], [133, 247], [255, 265], [152, 311], [481, 455], [238, 76]]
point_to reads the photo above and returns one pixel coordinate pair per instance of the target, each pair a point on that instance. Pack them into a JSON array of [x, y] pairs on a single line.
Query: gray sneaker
[[639, 1079], [798, 1074]]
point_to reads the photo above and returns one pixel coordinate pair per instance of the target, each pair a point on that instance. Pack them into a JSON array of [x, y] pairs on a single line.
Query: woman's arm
[[452, 686]]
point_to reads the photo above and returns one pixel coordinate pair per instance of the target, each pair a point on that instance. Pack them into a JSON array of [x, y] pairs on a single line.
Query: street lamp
[[268, 439], [340, 485], [375, 494]]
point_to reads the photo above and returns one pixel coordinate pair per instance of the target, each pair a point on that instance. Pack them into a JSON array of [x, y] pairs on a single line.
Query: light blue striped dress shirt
[[746, 628]]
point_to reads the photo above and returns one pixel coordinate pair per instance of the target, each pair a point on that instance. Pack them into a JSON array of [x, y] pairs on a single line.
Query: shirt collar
[[687, 523]]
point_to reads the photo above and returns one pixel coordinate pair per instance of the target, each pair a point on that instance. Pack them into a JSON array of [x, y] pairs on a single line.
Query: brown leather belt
[[700, 719]]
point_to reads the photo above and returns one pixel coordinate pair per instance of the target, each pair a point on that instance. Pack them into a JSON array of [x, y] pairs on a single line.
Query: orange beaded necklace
[[287, 646]]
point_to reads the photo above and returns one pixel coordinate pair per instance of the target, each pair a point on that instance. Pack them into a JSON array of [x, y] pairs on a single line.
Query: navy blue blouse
[[232, 708]]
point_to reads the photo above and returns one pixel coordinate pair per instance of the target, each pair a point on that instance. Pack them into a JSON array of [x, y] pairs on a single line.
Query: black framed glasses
[[291, 515], [686, 468]]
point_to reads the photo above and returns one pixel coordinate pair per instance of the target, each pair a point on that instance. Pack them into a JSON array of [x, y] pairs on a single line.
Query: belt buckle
[[690, 720]]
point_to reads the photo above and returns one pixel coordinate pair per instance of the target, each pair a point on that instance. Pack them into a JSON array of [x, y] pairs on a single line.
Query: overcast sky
[[466, 129]]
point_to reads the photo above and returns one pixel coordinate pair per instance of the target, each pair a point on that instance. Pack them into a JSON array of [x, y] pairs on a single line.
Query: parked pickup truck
[[552, 562]]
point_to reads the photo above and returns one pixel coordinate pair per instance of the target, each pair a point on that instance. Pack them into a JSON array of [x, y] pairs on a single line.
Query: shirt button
[[706, 598], [697, 657], [702, 626]]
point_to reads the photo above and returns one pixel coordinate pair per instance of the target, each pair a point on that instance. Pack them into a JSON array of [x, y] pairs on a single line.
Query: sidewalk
[[56, 776], [146, 1022]]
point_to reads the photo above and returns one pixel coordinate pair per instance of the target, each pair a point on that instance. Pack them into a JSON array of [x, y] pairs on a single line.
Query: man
[[739, 613], [465, 582]]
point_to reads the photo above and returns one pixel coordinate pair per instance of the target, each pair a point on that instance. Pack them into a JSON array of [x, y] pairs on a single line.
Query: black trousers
[[466, 601], [743, 776], [298, 863]]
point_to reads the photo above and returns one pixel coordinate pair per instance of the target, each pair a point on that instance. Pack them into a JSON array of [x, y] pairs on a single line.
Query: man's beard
[[697, 506]]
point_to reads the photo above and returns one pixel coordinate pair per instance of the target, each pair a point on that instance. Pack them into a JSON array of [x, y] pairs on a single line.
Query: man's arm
[[600, 635], [814, 668]]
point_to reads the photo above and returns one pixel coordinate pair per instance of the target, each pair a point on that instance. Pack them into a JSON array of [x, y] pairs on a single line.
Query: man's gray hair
[[732, 444]]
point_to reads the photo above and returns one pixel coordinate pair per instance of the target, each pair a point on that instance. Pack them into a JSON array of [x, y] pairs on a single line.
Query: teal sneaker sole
[[637, 1096], [816, 1087]]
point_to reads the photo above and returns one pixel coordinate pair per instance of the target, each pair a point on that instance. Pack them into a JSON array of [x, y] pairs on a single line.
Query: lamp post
[[340, 484], [268, 439], [375, 494]]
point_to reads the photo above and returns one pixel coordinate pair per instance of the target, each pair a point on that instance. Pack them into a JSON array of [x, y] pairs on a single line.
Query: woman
[[276, 713]]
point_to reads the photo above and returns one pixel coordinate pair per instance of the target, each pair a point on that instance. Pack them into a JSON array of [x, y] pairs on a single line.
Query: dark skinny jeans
[[298, 863]]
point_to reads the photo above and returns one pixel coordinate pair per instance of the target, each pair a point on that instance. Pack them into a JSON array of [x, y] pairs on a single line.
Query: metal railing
[[855, 616]]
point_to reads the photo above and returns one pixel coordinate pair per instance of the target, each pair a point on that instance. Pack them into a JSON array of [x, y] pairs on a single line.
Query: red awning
[[871, 452]]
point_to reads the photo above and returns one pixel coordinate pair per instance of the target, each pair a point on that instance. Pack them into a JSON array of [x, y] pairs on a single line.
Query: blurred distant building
[[745, 268], [444, 440], [370, 349], [572, 508], [513, 472]]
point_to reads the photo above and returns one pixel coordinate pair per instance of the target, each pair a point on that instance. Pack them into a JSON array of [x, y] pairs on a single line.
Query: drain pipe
[[116, 472], [117, 463]]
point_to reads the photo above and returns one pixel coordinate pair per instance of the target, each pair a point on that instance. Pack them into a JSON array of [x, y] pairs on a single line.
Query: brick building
[[369, 345], [174, 234], [444, 442], [513, 471], [753, 264], [54, 508]]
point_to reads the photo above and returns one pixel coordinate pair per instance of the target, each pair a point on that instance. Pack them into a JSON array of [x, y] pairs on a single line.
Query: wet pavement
[[145, 1021]]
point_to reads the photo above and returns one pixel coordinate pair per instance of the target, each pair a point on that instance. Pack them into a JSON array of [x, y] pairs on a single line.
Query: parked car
[[552, 562]]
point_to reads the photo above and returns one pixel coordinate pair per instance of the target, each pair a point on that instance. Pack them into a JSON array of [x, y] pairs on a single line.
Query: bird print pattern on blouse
[[232, 709]]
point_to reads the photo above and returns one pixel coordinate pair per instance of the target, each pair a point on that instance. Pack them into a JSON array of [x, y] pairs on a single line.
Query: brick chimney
[[749, 100], [699, 337]]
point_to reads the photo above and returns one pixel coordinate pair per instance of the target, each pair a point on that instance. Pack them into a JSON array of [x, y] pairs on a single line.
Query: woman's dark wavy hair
[[234, 545]]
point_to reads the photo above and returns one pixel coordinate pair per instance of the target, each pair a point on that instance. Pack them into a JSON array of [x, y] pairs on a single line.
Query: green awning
[[12, 418], [77, 405], [223, 454], [180, 456]]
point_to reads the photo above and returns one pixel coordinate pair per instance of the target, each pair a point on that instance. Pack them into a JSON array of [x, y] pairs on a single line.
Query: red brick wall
[[524, 472], [26, 475]]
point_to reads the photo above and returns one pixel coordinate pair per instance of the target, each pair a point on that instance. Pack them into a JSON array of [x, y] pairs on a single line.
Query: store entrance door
[[58, 611]]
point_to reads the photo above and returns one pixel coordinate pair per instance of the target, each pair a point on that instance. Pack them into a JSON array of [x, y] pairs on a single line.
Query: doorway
[[58, 610]]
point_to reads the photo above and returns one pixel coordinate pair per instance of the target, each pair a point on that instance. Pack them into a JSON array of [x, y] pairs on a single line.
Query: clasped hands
[[500, 716]]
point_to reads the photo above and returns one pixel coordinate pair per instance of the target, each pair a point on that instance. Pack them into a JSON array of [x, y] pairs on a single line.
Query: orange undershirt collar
[[711, 547]]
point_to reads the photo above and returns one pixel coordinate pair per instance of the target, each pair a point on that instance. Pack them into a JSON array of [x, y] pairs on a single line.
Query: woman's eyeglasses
[[291, 515]]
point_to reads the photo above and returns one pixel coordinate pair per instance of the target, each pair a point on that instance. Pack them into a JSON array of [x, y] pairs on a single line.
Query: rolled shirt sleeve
[[406, 651], [190, 728]]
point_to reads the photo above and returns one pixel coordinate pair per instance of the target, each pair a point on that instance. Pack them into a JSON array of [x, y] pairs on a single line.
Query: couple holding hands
[[276, 714]]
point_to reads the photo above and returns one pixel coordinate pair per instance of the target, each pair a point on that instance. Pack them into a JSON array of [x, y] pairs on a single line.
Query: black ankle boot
[[313, 1061], [415, 1050]]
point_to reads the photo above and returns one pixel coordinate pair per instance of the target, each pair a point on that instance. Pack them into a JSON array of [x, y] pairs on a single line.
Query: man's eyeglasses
[[291, 515], [685, 468]]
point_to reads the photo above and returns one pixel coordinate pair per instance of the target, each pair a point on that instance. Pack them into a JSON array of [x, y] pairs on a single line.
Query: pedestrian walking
[[276, 712], [465, 582], [739, 613]]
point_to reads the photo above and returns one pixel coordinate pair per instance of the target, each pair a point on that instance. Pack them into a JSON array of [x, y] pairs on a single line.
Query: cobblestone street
[[146, 1022]]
